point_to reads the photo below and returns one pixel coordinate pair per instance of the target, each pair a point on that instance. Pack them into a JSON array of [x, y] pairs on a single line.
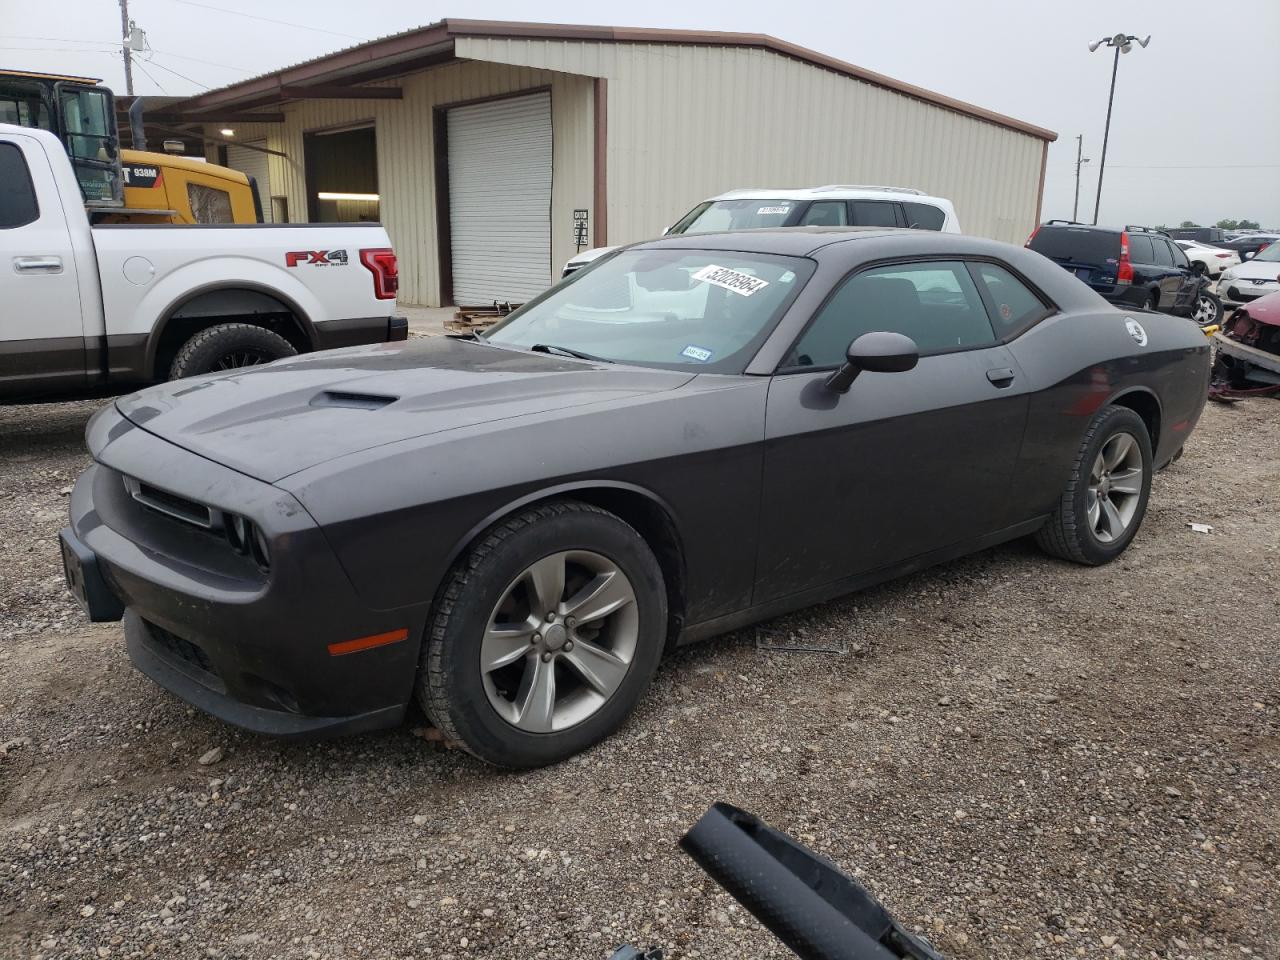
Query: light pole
[[1080, 161], [1123, 43]]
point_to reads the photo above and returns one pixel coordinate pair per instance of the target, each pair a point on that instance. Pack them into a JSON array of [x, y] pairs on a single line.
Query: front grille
[[184, 652], [170, 504]]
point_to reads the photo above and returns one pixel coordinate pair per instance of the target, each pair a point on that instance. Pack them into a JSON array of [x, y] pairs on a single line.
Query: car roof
[[787, 241], [833, 191]]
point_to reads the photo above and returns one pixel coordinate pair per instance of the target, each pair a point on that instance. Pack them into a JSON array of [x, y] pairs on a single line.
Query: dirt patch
[[1019, 755]]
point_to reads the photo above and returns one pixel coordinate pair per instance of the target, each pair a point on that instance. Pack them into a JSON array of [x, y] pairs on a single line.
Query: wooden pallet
[[476, 319]]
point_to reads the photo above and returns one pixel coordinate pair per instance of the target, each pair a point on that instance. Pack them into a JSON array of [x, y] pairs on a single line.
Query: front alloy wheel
[[1208, 310], [560, 641], [544, 635]]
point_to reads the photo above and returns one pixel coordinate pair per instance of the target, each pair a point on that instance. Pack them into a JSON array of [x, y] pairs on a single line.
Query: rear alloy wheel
[[1102, 507], [228, 346], [545, 635]]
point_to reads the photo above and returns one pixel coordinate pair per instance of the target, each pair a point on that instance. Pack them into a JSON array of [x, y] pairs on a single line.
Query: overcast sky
[[1195, 133]]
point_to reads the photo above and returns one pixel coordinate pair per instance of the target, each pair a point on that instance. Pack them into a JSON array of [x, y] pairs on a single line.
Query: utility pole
[[1075, 207], [125, 52]]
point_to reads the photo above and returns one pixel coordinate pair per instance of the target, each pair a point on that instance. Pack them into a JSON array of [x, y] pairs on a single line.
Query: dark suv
[[1134, 267]]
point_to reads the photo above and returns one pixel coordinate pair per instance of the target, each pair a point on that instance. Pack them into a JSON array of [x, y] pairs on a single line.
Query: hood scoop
[[351, 401]]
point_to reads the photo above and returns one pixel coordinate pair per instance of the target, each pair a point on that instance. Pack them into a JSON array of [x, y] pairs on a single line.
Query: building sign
[[580, 228]]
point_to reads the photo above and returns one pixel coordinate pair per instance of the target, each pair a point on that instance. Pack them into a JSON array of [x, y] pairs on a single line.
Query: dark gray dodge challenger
[[693, 434]]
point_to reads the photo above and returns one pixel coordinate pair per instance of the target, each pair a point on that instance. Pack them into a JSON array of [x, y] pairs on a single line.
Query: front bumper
[[251, 647], [1238, 292]]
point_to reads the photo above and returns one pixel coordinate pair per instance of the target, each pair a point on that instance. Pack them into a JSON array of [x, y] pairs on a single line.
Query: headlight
[[247, 539]]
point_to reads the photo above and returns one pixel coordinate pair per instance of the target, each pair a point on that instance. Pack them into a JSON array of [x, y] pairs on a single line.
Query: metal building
[[493, 150]]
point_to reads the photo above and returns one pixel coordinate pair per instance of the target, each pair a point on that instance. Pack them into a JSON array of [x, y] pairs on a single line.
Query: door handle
[[37, 264], [1001, 376]]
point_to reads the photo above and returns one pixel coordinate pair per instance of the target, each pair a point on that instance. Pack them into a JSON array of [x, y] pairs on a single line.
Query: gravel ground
[[1020, 756]]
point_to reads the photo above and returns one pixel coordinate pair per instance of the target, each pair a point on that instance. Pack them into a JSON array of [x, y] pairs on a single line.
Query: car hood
[[272, 421], [1255, 270], [1264, 309]]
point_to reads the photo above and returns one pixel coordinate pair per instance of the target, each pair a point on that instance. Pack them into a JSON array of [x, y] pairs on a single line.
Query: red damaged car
[[1248, 352]]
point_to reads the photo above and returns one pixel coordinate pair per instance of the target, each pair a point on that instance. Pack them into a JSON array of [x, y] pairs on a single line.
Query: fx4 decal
[[323, 258]]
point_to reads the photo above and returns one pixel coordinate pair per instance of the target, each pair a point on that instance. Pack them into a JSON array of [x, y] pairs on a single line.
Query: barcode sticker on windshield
[[742, 283], [765, 211]]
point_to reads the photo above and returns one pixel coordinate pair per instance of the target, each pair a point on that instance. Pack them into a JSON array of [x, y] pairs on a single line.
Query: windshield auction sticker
[[741, 283], [767, 211]]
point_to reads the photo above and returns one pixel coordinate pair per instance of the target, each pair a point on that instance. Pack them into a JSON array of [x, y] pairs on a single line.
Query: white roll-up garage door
[[253, 163], [500, 199]]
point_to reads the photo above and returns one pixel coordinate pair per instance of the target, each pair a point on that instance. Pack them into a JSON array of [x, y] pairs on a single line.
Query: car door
[[42, 345], [1169, 276], [1185, 279], [1148, 275], [903, 463]]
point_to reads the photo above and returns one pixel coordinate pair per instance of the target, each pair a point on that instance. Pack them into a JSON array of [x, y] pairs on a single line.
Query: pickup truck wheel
[[544, 636], [226, 347], [1105, 500]]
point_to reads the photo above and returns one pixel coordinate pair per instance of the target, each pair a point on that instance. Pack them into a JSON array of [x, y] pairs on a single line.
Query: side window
[[1179, 255], [923, 216], [1014, 306], [17, 193], [936, 304], [826, 213], [208, 204], [875, 213], [1140, 250], [1164, 256]]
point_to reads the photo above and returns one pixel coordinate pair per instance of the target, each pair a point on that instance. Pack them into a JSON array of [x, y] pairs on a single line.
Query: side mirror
[[878, 352], [1248, 254]]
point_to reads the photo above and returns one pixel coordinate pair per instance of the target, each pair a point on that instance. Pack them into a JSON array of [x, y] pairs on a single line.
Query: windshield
[[716, 216], [23, 104], [707, 310], [1268, 254]]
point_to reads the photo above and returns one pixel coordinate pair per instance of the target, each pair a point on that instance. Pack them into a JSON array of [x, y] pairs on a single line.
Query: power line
[[146, 73], [58, 40], [282, 23], [208, 63], [181, 76]]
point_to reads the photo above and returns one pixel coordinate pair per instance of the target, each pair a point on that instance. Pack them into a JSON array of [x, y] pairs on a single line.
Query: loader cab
[[81, 113]]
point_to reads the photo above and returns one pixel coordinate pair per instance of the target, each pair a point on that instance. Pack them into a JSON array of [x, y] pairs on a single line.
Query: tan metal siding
[[406, 155], [687, 122]]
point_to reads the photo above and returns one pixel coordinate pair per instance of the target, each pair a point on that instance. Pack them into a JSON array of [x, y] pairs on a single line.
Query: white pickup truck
[[84, 309]]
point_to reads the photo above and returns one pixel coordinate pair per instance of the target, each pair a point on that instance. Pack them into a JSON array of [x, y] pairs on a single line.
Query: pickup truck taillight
[[381, 262]]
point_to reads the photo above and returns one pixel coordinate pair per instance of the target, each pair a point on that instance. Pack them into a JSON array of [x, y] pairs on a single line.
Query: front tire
[[228, 346], [1208, 309], [1100, 511], [544, 636]]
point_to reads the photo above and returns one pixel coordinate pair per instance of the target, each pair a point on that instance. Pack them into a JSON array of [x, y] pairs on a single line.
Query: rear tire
[[228, 346], [1102, 507], [520, 685], [1152, 302]]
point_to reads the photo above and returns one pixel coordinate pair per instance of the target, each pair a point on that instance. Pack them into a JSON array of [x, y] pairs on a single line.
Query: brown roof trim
[[447, 30], [558, 31]]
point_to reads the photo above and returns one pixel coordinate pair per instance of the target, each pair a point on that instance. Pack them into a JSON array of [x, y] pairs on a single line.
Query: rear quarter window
[[1077, 244], [17, 193], [924, 216]]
